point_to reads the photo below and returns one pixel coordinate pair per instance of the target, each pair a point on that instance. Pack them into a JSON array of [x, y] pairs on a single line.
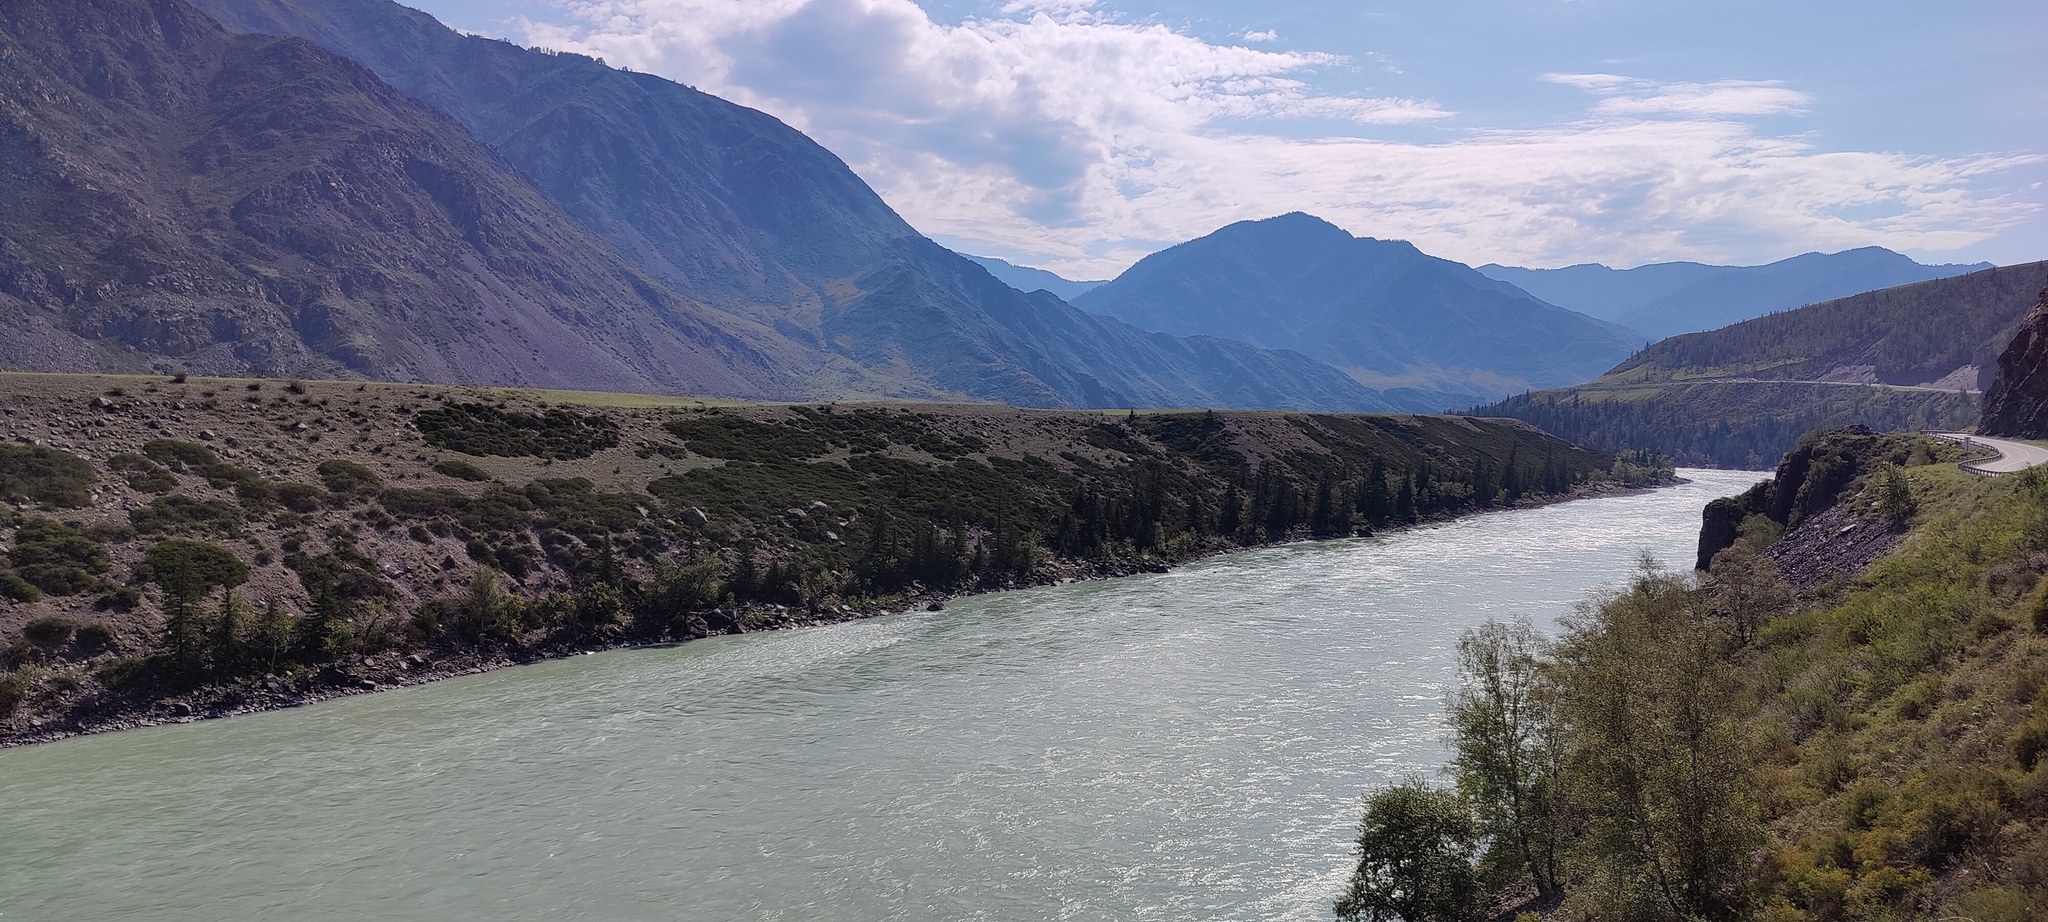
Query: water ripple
[[1186, 745]]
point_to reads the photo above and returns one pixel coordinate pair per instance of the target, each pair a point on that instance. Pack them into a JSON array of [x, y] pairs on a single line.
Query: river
[[1193, 745]]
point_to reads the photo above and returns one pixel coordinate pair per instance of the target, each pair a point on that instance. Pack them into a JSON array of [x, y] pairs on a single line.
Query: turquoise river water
[[1194, 745]]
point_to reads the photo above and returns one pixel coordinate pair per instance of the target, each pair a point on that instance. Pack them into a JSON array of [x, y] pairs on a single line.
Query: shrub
[[44, 475], [49, 631], [460, 470], [481, 429], [14, 588], [180, 513], [738, 439], [165, 451], [57, 578], [57, 558], [299, 497], [95, 638], [346, 476], [120, 598], [155, 481], [12, 690]]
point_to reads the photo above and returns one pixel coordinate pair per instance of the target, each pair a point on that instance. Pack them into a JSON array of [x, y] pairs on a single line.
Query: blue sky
[[1078, 135]]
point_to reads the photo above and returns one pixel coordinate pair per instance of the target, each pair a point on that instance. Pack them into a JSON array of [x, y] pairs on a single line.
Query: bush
[[165, 451], [49, 631], [482, 429], [12, 690], [44, 475], [738, 439], [346, 476], [179, 513], [143, 474], [50, 542], [14, 588], [57, 578], [95, 638], [460, 470], [299, 497]]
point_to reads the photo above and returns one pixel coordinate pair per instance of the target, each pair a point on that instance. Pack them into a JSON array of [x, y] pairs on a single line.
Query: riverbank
[[326, 538], [397, 669], [1193, 744]]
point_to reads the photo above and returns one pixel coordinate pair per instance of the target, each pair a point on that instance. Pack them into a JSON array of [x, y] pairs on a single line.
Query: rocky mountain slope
[[1901, 358], [1666, 299], [174, 195], [196, 546], [735, 209], [1431, 331], [2016, 403]]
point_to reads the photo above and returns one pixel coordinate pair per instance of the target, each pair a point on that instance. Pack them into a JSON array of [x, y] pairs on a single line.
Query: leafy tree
[[272, 633], [488, 611], [1659, 759], [1511, 751], [1894, 493], [1415, 859]]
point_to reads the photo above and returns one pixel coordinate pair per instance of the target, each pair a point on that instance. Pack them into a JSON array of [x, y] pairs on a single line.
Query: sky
[[1081, 135]]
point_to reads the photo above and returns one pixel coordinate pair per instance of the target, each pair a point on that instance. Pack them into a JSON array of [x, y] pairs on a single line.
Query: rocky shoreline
[[393, 670]]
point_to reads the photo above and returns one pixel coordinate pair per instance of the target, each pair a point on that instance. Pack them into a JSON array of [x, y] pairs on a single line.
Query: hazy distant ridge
[[1665, 299], [1025, 278]]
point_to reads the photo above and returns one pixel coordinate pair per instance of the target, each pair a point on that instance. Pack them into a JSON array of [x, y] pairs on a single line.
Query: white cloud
[[1080, 141], [1262, 35], [1630, 96]]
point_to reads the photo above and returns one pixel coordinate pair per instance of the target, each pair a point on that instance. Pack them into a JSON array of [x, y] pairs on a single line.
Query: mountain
[[1944, 334], [2016, 403], [1382, 310], [176, 196], [1666, 299], [1901, 358], [1025, 278], [734, 209]]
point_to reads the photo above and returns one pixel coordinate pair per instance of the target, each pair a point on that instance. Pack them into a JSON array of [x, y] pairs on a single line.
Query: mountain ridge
[[1902, 358], [1382, 310], [1028, 279], [186, 197], [1666, 299], [734, 208]]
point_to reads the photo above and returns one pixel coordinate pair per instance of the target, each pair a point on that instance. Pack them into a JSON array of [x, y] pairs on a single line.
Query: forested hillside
[[1945, 333], [1728, 424], [1899, 359]]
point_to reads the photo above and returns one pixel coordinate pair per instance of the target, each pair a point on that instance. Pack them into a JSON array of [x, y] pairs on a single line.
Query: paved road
[[2012, 456]]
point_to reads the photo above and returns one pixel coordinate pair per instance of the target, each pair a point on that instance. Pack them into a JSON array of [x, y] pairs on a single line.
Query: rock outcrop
[[1812, 479], [2016, 404]]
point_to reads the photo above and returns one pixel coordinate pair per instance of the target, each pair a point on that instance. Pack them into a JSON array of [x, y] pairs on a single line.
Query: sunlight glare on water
[[1188, 745]]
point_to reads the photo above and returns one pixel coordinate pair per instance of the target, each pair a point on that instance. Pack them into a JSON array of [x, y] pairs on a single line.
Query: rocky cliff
[[1814, 479], [2016, 404]]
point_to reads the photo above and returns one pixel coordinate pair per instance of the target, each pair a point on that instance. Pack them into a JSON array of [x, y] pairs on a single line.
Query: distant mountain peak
[[1391, 315]]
